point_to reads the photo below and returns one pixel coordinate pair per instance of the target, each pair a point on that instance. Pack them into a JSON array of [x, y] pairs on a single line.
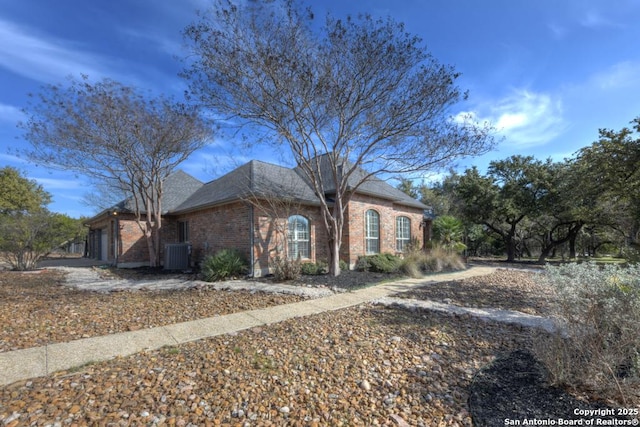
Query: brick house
[[262, 210]]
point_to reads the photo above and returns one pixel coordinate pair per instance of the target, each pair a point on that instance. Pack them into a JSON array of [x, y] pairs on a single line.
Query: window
[[299, 237], [183, 231], [403, 233], [372, 232]]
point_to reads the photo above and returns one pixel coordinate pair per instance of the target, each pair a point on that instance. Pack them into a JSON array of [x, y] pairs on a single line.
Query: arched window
[[298, 239], [372, 232], [403, 233]]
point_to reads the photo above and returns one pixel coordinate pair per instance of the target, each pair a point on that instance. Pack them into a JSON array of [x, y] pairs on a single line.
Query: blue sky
[[547, 73]]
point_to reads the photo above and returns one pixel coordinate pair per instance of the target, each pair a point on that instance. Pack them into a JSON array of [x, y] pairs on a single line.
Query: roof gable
[[176, 188], [371, 186]]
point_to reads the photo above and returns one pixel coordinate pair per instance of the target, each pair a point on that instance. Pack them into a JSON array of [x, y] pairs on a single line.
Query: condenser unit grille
[[177, 256]]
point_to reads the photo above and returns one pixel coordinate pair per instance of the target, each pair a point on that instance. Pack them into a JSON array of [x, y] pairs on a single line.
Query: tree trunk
[[551, 244], [152, 235], [546, 251], [572, 245], [510, 241], [151, 247], [154, 224], [335, 241], [334, 257]]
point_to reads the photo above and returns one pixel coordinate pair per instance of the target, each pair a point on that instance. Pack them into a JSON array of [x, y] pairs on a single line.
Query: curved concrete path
[[41, 361]]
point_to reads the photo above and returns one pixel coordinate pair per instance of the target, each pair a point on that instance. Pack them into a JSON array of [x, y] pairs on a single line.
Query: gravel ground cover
[[347, 280], [505, 289], [37, 309], [366, 365]]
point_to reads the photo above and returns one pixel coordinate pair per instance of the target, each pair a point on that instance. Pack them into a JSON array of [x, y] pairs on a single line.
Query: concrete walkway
[[41, 361]]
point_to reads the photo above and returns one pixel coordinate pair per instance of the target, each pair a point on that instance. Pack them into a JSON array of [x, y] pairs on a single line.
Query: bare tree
[[117, 136], [350, 95]]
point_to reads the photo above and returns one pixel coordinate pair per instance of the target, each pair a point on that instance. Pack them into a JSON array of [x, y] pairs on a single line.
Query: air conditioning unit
[[177, 256]]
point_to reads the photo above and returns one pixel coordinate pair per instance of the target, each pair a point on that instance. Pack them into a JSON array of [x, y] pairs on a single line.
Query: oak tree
[[511, 191], [28, 231], [611, 167]]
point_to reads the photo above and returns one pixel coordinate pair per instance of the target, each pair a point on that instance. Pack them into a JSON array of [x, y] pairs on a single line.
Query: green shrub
[[379, 263], [314, 268], [309, 269], [631, 255], [224, 264], [597, 342], [448, 232], [362, 264], [285, 269], [343, 265]]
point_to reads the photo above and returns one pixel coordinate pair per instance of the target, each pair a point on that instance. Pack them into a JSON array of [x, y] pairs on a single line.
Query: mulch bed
[[515, 387]]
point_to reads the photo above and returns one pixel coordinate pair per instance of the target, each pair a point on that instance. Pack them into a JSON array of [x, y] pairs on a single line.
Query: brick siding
[[230, 226], [353, 244]]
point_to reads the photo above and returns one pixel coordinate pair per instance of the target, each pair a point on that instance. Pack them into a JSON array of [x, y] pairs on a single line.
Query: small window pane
[[183, 231], [298, 239], [372, 232], [403, 233]]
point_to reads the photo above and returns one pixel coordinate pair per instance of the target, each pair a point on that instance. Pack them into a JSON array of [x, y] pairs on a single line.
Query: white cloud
[[10, 114], [620, 75], [60, 184], [9, 158], [511, 120], [41, 57], [558, 31], [164, 43], [594, 19], [524, 118]]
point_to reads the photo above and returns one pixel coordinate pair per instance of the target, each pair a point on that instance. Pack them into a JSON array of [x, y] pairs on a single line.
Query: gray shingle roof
[[253, 179], [184, 193], [176, 188], [260, 179]]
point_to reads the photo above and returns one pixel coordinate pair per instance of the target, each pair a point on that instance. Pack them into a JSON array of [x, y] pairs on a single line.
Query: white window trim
[[369, 235], [293, 238], [403, 226]]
